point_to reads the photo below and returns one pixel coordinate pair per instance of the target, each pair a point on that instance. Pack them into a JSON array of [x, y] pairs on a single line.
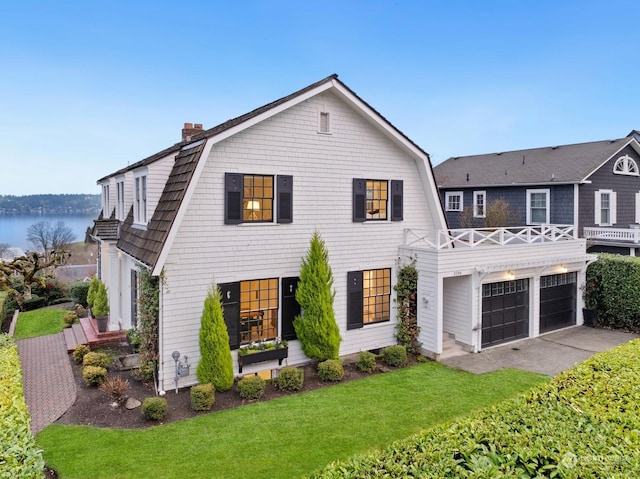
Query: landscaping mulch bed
[[94, 407]]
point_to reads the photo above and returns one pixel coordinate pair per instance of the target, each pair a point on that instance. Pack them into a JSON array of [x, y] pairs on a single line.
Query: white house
[[237, 205]]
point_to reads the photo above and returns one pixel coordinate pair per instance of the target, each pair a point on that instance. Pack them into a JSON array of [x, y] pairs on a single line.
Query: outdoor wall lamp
[[563, 268], [182, 369], [511, 275]]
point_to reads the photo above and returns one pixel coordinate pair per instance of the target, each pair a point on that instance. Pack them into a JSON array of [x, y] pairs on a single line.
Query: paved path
[[49, 386], [548, 354]]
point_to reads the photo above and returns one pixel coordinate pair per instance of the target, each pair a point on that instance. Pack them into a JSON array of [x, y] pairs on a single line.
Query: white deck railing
[[475, 237], [613, 234]]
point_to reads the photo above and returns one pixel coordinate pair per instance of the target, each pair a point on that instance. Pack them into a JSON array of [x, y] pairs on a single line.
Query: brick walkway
[[49, 386]]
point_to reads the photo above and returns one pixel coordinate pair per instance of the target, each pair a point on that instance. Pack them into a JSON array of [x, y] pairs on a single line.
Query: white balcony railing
[[476, 237], [613, 234]]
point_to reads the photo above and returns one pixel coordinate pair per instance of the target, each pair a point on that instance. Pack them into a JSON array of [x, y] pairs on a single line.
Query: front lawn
[[40, 322], [286, 437]]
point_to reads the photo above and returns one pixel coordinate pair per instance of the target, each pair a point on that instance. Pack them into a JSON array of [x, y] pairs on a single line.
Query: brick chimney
[[190, 130]]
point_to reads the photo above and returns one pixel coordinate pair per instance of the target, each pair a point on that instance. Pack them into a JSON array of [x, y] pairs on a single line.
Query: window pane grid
[[258, 310], [376, 295], [377, 195], [258, 198]]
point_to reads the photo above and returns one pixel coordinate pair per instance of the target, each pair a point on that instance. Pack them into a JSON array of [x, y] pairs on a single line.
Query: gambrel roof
[[537, 166], [148, 245]]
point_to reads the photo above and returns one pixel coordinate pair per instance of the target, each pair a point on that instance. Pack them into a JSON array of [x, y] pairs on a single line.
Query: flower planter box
[[261, 356]]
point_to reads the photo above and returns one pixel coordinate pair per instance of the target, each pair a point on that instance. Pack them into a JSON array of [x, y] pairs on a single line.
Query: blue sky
[[88, 87]]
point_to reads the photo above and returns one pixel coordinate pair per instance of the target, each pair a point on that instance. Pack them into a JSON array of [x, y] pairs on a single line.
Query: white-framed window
[[625, 165], [105, 201], [538, 206], [140, 199], [453, 201], [605, 208], [120, 199], [479, 204], [638, 208]]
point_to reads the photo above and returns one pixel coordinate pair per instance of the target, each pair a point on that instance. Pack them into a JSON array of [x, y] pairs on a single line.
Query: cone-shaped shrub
[[216, 365], [93, 288], [316, 328]]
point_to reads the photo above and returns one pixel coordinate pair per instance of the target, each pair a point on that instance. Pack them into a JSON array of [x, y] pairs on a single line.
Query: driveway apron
[[548, 354], [47, 378]]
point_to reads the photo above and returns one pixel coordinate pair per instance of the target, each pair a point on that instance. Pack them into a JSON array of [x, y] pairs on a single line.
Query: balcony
[[613, 235], [480, 237]]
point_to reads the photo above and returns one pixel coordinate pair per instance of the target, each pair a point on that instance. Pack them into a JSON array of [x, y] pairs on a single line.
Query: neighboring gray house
[[593, 186], [238, 204]]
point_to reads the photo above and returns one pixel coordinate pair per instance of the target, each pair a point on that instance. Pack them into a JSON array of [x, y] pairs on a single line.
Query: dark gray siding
[[516, 196], [625, 187]]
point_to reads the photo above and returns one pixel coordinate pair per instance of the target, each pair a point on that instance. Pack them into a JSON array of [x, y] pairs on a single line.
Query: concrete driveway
[[548, 354]]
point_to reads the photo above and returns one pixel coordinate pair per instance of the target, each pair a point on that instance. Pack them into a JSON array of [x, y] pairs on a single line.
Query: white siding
[[322, 167], [157, 175], [458, 307]]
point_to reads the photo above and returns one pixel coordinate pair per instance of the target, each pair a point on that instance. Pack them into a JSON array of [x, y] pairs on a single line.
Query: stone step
[[81, 338], [95, 338], [69, 339]]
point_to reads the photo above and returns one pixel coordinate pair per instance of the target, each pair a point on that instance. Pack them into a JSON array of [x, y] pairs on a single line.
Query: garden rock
[[132, 403]]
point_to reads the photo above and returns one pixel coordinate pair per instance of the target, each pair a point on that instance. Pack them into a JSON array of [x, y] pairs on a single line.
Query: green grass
[[40, 322], [286, 437]]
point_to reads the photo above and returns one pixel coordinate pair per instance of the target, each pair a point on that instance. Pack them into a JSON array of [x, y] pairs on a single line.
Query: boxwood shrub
[[395, 356], [366, 362], [202, 397], [97, 359], [330, 370], [584, 423], [251, 387], [19, 456], [94, 375], [290, 379], [154, 408]]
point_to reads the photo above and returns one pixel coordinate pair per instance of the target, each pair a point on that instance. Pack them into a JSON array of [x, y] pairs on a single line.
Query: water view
[[13, 228]]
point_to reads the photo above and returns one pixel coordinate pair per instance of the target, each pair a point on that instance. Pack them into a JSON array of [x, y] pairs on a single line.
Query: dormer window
[[140, 199], [120, 199], [105, 201], [625, 165]]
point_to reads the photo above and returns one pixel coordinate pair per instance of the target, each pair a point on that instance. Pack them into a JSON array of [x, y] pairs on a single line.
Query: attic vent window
[[625, 165], [324, 124]]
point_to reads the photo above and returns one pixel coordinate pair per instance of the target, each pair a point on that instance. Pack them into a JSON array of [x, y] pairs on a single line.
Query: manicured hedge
[[584, 423], [19, 456], [614, 289]]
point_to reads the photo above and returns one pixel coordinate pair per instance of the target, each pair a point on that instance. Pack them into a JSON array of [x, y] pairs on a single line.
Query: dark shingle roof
[[106, 228], [557, 164], [146, 244]]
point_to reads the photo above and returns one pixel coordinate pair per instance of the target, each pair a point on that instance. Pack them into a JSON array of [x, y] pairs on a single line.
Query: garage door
[[557, 301], [505, 311]]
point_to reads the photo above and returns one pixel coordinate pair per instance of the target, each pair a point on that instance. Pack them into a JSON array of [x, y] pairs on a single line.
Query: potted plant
[[101, 307], [589, 312], [262, 351], [94, 284]]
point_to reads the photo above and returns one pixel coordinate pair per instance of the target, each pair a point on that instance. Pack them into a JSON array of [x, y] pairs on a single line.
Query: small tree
[[498, 213], [94, 284], [30, 267], [101, 300], [47, 238], [316, 327], [215, 366]]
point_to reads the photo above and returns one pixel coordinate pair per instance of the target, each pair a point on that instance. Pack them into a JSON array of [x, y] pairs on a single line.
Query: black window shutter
[[396, 200], [232, 198], [290, 308], [359, 200], [231, 311], [285, 198], [354, 300]]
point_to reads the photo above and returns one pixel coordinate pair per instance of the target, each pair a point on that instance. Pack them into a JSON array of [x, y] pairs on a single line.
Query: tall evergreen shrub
[[215, 366], [316, 327]]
